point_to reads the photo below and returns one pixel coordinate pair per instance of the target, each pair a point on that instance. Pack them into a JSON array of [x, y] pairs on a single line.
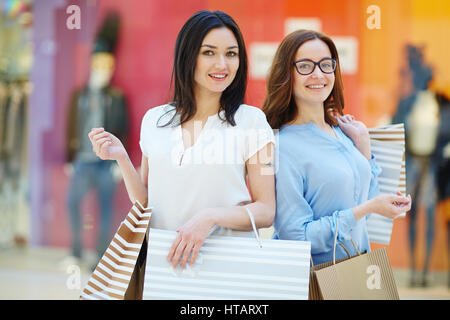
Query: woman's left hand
[[357, 132], [190, 239]]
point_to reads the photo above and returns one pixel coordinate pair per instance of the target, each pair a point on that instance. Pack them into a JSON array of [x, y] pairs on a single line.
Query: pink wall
[[144, 62]]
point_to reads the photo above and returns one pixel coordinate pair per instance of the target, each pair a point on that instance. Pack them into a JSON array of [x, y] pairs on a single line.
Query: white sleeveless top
[[209, 174], [423, 123]]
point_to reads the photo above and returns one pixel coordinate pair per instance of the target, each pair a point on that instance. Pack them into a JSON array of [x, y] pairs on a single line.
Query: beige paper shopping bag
[[120, 272], [366, 276], [314, 290]]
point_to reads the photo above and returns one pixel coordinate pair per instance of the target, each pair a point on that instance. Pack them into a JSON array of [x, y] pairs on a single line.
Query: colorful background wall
[[373, 83]]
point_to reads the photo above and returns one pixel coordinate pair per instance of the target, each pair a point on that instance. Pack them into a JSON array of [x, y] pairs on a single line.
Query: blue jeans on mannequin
[[88, 175], [421, 184]]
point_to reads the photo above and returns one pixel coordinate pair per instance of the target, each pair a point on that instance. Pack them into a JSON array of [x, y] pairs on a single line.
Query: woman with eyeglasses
[[198, 149], [325, 171]]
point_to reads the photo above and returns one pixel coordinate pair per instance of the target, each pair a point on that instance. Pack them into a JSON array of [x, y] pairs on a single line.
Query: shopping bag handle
[[252, 220], [348, 254], [341, 244]]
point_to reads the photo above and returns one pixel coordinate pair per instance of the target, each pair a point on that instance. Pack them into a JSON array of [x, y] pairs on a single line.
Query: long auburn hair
[[279, 104], [187, 48]]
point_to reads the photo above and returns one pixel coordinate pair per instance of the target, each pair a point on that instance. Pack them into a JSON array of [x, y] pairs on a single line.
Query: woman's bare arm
[[109, 147]]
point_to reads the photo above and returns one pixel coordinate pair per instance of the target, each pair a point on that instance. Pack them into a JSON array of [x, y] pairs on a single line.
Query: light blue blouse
[[320, 178]]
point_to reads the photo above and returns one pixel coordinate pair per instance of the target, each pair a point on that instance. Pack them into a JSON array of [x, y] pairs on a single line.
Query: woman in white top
[[198, 150]]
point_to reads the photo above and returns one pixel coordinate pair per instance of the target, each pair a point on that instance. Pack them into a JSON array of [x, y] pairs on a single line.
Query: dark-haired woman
[[198, 149], [326, 173]]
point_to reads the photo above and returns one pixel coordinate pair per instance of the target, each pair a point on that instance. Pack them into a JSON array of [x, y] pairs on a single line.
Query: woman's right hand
[[357, 132], [105, 145]]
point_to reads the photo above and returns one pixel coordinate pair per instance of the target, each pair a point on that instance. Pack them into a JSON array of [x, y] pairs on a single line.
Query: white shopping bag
[[388, 147], [235, 268]]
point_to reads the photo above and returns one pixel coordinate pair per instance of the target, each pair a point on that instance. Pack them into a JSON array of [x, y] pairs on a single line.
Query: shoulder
[[291, 143], [113, 91], [245, 109], [248, 115], [153, 114], [78, 93], [289, 155], [286, 139], [442, 100], [408, 101]]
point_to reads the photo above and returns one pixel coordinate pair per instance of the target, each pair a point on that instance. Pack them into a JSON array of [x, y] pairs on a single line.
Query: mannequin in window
[[98, 104], [420, 111]]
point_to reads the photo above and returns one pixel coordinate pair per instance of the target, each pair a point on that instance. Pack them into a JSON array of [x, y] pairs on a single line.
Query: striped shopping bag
[[119, 274], [235, 268], [388, 147]]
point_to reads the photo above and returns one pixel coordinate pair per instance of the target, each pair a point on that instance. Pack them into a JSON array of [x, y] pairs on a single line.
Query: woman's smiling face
[[313, 88], [217, 61]]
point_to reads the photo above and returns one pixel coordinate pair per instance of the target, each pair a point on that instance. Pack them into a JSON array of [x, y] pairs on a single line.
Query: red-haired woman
[[325, 169]]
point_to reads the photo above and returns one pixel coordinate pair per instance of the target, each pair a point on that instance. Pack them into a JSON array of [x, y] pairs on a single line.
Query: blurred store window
[[15, 64]]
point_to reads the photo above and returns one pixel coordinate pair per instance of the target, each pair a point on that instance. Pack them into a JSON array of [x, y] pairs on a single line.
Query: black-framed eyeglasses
[[307, 66]]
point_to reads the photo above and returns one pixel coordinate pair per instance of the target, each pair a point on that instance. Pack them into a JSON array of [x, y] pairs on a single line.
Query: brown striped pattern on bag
[[112, 275], [388, 146]]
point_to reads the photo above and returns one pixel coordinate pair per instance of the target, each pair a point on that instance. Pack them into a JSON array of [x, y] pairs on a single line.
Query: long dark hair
[[187, 48], [279, 104]]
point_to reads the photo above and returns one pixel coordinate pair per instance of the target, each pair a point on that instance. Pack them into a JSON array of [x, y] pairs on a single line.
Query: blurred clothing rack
[[14, 97]]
